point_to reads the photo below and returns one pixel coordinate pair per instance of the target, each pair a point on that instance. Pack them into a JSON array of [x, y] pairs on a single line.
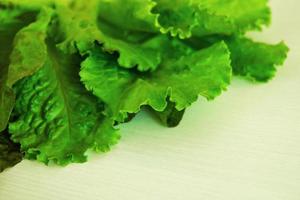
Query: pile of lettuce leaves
[[71, 70]]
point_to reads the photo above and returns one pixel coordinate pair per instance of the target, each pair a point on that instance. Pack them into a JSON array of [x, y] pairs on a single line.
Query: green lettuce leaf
[[130, 15], [9, 26], [29, 51], [83, 26], [187, 18], [16, 32], [78, 26], [255, 60], [177, 17], [59, 120], [181, 79], [231, 16]]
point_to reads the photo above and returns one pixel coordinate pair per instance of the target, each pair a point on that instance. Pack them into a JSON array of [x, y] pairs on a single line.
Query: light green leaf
[[256, 60], [177, 17], [231, 16], [78, 26], [187, 18], [145, 54], [83, 28], [180, 78], [129, 15]]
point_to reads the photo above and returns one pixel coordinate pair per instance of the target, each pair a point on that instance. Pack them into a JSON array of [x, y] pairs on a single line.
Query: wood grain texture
[[243, 146]]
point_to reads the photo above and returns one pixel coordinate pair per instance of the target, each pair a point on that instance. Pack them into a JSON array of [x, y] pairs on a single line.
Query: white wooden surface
[[243, 146]]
